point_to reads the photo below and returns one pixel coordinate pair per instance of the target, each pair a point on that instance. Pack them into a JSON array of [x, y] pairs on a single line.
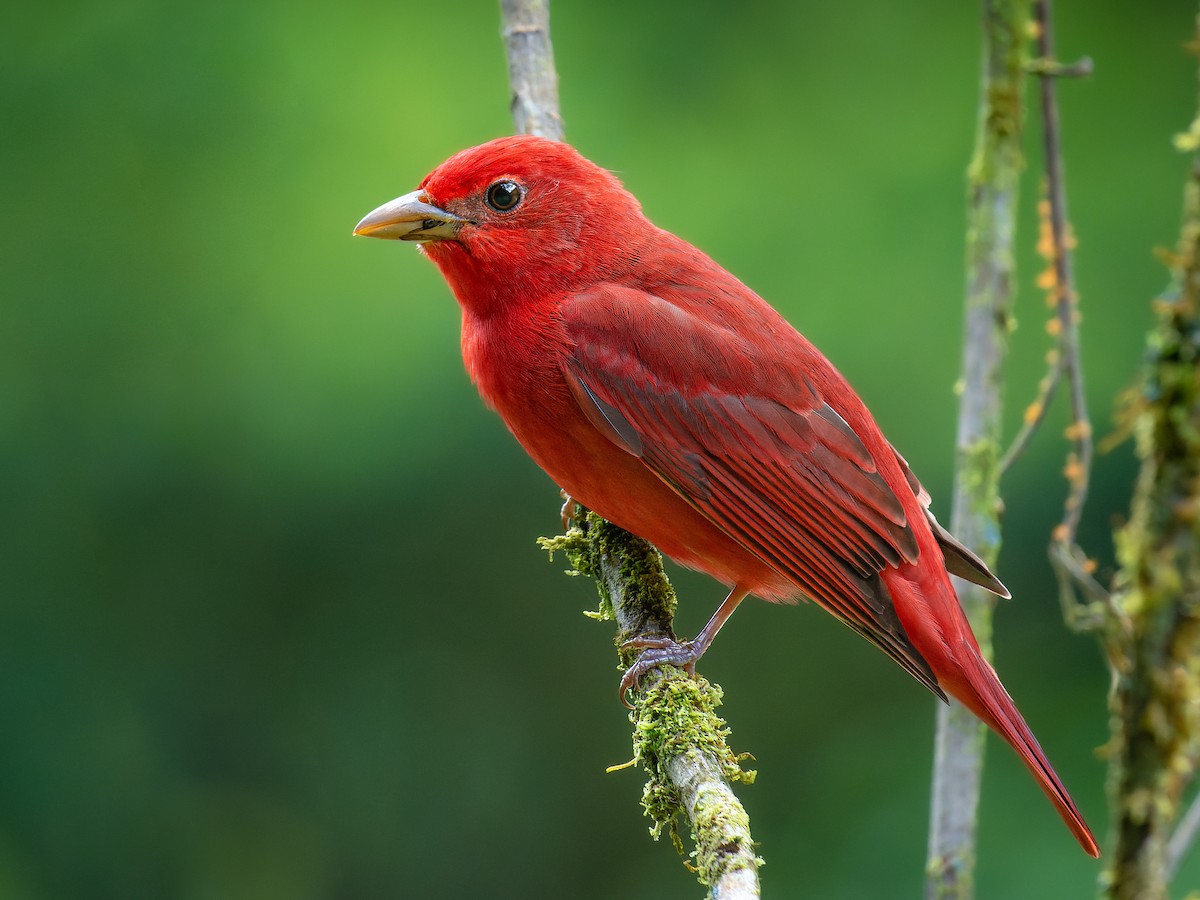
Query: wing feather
[[960, 560], [780, 470]]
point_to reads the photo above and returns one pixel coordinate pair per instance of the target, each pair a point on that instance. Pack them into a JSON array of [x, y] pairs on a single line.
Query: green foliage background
[[272, 621]]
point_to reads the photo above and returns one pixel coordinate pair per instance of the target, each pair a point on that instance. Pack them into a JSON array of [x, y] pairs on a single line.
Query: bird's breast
[[519, 373]]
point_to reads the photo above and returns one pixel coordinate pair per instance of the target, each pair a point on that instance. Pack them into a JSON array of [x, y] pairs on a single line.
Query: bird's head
[[518, 216]]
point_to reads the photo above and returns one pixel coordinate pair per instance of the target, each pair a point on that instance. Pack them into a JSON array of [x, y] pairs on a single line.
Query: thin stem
[[1183, 837], [1079, 466], [993, 185], [531, 72], [1035, 413], [1056, 247], [1051, 68], [1060, 360]]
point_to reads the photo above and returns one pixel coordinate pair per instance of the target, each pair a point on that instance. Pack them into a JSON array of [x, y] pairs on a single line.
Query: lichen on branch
[[678, 738], [1151, 624]]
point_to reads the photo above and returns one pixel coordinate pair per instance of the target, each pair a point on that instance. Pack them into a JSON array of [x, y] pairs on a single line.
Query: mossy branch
[[993, 185], [678, 738], [1151, 629]]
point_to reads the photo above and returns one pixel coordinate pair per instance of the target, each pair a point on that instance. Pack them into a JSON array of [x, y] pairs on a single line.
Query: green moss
[[640, 577], [978, 475], [676, 716], [998, 158], [718, 820], [1152, 636], [620, 562], [576, 546], [582, 552]]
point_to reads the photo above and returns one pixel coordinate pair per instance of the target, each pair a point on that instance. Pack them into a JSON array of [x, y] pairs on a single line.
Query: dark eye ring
[[505, 196]]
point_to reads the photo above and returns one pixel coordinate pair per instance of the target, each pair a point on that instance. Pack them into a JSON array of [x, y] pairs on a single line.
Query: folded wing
[[772, 464]]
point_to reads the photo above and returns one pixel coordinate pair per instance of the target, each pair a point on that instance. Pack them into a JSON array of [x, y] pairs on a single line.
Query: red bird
[[661, 392]]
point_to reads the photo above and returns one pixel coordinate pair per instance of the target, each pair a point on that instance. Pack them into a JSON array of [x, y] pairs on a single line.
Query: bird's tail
[[931, 615], [977, 686]]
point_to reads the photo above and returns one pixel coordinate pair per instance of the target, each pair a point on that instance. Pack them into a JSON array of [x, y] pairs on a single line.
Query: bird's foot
[[661, 651], [570, 509]]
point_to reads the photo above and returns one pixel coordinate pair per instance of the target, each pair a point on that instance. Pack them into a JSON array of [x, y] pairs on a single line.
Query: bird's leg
[[570, 509], [665, 651]]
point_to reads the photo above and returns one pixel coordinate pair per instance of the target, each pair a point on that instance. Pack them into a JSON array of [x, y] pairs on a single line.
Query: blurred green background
[[273, 624]]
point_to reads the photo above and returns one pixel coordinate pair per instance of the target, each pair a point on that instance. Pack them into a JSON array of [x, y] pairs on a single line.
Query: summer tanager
[[658, 390]]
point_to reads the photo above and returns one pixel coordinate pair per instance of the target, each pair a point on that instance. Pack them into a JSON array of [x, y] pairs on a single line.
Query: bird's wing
[[780, 471], [960, 559]]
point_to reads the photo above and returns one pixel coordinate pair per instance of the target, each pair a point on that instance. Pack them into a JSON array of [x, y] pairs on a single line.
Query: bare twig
[[1055, 246], [531, 72], [1048, 67], [678, 737], [1083, 598], [1035, 412], [1062, 285], [993, 183], [1183, 837]]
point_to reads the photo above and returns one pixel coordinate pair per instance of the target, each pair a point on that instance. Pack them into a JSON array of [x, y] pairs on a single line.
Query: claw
[[570, 509], [660, 651], [666, 651]]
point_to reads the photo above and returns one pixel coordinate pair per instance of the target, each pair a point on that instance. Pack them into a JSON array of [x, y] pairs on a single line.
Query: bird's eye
[[504, 196]]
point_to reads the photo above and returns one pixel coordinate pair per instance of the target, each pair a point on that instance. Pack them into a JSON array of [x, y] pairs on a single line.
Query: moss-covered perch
[[1151, 628], [678, 738]]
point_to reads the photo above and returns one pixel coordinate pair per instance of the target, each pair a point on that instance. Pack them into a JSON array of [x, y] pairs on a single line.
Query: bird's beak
[[410, 218]]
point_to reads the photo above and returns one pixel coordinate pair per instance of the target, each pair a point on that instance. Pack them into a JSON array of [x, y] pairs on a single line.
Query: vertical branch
[[1070, 562], [678, 737], [1183, 837], [531, 72], [1152, 632], [993, 184]]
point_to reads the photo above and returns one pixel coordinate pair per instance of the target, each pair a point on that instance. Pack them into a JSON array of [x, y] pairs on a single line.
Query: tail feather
[[934, 620], [980, 690]]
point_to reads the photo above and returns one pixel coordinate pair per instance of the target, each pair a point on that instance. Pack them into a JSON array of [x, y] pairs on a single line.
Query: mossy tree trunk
[[1151, 628]]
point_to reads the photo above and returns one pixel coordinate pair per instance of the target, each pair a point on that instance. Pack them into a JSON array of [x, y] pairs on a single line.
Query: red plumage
[[661, 392]]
